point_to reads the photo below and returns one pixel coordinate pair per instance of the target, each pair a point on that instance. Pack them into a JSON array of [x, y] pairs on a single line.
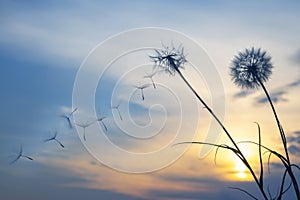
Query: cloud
[[297, 132], [294, 139], [296, 83], [294, 150], [278, 94], [102, 178], [39, 182], [243, 93], [64, 42], [275, 97], [276, 165], [187, 178], [296, 57]]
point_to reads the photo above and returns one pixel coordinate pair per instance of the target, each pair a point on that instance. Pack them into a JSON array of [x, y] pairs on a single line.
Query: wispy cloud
[[186, 179], [296, 57], [294, 149], [243, 93], [296, 83], [294, 141], [277, 95], [97, 176]]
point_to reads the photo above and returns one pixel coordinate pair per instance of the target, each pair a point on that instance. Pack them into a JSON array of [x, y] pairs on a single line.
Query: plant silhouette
[[250, 69]]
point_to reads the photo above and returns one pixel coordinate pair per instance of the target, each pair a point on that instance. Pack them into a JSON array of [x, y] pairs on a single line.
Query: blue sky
[[42, 45]]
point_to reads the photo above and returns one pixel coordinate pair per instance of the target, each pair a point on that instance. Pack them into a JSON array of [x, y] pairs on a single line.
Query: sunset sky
[[47, 47]]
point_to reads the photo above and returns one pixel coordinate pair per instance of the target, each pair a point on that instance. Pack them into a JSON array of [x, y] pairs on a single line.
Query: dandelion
[[169, 59], [251, 68]]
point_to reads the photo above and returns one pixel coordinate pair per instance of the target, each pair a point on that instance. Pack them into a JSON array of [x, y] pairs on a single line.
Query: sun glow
[[240, 169]]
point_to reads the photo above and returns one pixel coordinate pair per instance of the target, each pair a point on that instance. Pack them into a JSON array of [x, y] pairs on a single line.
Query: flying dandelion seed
[[20, 155], [55, 139], [142, 87], [100, 119], [84, 125], [116, 107], [68, 116], [150, 76]]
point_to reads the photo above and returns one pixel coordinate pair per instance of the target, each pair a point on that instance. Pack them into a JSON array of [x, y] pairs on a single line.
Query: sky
[[60, 55]]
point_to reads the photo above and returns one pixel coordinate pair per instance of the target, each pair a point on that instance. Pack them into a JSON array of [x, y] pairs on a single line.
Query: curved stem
[[283, 138], [240, 154], [293, 178], [284, 142], [261, 177]]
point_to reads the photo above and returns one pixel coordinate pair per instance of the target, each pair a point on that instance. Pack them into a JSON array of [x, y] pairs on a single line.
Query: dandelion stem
[[283, 138]]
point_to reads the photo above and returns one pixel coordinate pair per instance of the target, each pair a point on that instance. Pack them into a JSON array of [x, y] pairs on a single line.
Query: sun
[[240, 169], [236, 169]]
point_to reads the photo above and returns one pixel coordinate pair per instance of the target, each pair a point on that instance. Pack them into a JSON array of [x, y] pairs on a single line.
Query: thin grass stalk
[[283, 138], [282, 186], [261, 176], [284, 162]]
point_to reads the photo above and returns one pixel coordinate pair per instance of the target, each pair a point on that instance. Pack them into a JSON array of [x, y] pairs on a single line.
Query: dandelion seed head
[[251, 67], [169, 59]]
